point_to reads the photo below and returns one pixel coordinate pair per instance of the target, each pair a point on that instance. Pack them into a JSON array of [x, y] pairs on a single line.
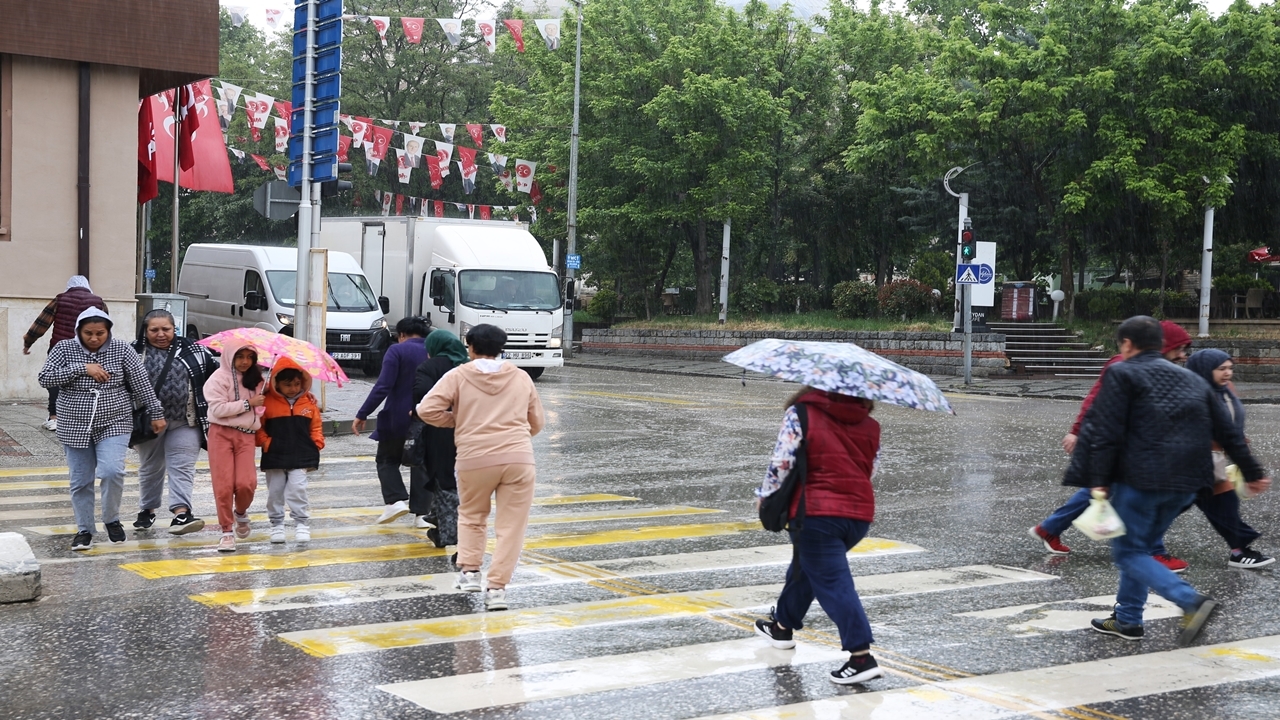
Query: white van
[[231, 286]]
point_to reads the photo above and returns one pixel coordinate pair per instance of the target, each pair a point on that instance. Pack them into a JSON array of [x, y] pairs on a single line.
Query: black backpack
[[775, 508]]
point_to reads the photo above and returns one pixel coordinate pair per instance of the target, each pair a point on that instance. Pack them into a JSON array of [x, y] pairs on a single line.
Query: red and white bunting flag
[[399, 204], [471, 211], [468, 178], [550, 30], [433, 170], [360, 130], [444, 152], [147, 176], [500, 132], [524, 175], [345, 119], [344, 148], [231, 94], [438, 208], [488, 32], [262, 162], [274, 15], [516, 28], [476, 132], [447, 130], [414, 127], [377, 195], [386, 203], [507, 179], [381, 23], [535, 194], [486, 212], [412, 29], [390, 123], [281, 171], [404, 166], [238, 153], [498, 163], [284, 109], [257, 109], [239, 14], [413, 146], [462, 207], [190, 118], [282, 135], [467, 160], [452, 28], [380, 143]]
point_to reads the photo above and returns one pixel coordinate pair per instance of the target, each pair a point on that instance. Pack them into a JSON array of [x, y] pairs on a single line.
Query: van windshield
[[348, 292], [508, 290]]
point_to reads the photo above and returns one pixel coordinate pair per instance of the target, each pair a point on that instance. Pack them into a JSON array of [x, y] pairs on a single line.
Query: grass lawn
[[815, 320]]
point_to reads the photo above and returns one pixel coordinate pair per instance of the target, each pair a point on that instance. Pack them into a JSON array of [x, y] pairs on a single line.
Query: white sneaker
[[395, 510], [421, 522], [50, 424], [496, 599], [301, 533], [277, 534], [468, 581]]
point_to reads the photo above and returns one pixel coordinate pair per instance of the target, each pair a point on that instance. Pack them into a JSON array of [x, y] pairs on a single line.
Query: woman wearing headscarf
[[1220, 504], [178, 369], [235, 398], [444, 352], [61, 314], [99, 380]]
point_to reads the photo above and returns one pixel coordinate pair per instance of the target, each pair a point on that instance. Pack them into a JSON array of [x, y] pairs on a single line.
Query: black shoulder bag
[[775, 508], [141, 418]]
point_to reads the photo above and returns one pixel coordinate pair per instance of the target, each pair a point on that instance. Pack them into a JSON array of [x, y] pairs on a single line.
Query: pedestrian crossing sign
[[967, 275]]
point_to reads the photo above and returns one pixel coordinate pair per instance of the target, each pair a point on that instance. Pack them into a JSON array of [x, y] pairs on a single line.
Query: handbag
[[415, 447], [775, 508], [141, 418]]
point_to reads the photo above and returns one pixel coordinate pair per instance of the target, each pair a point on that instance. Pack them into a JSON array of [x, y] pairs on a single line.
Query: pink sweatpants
[[235, 477], [513, 485]]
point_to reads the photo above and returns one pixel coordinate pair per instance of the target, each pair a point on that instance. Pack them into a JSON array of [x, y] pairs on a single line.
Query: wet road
[[643, 571]]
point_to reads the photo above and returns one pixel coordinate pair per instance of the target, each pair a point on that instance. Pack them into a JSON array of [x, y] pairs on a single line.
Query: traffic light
[[333, 187], [968, 247]]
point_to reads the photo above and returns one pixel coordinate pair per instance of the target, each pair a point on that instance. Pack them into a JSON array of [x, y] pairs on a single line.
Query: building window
[[6, 147]]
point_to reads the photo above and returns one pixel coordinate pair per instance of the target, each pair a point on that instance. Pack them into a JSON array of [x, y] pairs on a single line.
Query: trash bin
[[1018, 301], [176, 304]]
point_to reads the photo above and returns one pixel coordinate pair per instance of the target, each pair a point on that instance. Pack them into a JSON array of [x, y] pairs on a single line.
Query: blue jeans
[[1060, 520], [1147, 514], [820, 568], [104, 459]]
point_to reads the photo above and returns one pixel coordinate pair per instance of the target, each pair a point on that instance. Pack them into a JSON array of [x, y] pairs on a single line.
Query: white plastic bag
[[1100, 521], [1237, 479]]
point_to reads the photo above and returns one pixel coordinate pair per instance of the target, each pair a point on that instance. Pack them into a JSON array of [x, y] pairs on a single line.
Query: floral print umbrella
[[841, 368], [272, 345]]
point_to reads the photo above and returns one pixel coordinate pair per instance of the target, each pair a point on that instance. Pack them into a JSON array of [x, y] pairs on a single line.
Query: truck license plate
[[517, 355], [346, 356]]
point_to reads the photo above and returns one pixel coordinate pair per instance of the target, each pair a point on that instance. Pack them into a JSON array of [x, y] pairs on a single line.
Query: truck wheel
[[373, 366], [193, 334], [534, 372]]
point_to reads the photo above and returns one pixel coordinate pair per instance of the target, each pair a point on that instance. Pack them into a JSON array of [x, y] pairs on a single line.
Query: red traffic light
[[966, 236]]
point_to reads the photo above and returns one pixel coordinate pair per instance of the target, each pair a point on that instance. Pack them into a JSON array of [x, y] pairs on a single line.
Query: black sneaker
[[1194, 620], [775, 634], [1249, 559], [860, 668], [1112, 626], [184, 523], [433, 534], [115, 531], [82, 541], [145, 520]]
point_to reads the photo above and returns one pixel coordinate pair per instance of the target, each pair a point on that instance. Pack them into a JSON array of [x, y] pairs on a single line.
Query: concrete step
[[1085, 370]]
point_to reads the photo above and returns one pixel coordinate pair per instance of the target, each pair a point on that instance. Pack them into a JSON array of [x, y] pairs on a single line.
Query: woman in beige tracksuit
[[494, 411]]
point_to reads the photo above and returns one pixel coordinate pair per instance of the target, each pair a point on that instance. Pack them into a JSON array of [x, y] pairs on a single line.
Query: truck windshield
[[348, 292], [508, 290]]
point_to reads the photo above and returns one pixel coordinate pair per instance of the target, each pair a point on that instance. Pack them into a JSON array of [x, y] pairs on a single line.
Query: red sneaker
[[1171, 562], [1051, 542]]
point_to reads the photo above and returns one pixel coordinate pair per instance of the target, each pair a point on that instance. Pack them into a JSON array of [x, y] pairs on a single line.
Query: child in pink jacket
[[235, 395]]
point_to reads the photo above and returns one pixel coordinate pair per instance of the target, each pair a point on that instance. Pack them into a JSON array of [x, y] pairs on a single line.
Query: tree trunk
[[702, 268], [1164, 271], [666, 267], [884, 264], [1068, 287]]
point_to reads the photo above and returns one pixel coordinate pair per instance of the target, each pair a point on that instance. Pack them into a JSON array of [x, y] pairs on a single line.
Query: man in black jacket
[[1147, 441]]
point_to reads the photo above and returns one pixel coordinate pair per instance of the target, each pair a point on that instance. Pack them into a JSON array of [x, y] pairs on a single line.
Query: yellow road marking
[[206, 540], [640, 398], [155, 569], [590, 498]]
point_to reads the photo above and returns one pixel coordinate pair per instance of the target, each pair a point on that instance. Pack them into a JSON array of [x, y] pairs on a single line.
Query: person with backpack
[[832, 442]]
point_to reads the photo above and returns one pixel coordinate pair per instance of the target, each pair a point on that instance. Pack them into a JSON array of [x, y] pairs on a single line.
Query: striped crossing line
[[133, 468]]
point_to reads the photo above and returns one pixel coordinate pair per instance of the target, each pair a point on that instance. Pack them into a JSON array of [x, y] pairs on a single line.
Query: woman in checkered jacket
[[99, 378]]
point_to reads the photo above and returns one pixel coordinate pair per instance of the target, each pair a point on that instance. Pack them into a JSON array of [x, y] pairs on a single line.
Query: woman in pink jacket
[[235, 396]]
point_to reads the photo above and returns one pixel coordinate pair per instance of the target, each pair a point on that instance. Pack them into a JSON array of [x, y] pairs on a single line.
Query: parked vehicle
[[230, 286], [461, 273]]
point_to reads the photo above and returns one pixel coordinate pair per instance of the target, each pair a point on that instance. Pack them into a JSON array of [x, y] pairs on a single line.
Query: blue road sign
[[985, 274], [967, 275], [573, 262], [150, 273], [325, 84]]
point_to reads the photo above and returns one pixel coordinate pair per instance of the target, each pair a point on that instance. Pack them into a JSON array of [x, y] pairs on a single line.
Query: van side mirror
[[254, 301], [437, 290], [569, 288], [384, 304]]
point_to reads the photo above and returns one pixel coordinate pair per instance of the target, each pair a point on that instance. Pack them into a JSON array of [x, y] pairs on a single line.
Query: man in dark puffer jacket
[[1147, 440]]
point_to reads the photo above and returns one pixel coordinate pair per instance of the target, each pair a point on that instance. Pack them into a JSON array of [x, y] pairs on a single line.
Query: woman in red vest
[[840, 444]]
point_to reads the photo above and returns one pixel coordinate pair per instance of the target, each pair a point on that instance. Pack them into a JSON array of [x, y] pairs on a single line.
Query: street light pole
[[573, 184], [306, 203]]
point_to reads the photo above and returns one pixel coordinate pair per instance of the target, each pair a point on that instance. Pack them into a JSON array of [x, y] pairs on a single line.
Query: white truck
[[458, 274]]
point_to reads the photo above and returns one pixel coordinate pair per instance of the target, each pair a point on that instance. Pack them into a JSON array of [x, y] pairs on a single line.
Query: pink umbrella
[[272, 345]]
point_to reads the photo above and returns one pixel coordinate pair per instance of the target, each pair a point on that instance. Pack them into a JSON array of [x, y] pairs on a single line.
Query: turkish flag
[[412, 29], [147, 188], [486, 212], [477, 134], [360, 130], [344, 148], [516, 28], [262, 162], [381, 141], [438, 207], [212, 168], [190, 119]]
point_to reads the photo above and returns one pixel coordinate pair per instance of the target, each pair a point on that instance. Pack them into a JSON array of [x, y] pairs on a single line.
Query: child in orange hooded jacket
[[291, 438]]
